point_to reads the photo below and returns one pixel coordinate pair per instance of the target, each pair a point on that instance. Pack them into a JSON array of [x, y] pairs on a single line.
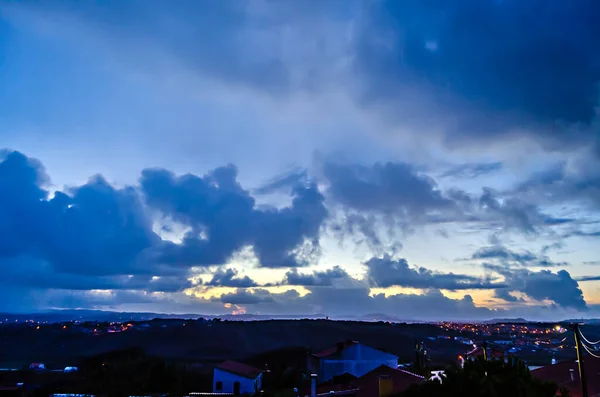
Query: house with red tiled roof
[[236, 378], [382, 381], [349, 357], [566, 374]]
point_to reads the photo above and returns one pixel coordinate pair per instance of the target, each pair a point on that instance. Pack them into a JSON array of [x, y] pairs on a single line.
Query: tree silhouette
[[481, 378]]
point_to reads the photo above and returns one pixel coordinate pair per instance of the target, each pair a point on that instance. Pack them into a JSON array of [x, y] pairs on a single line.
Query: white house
[[236, 378], [351, 357]]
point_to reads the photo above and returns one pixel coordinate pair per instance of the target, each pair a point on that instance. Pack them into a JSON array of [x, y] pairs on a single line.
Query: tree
[[481, 378]]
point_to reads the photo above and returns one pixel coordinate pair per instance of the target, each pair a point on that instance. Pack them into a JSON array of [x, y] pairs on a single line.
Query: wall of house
[[357, 360], [247, 386]]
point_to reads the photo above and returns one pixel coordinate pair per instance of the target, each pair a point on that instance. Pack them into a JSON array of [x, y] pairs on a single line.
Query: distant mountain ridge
[[52, 316]]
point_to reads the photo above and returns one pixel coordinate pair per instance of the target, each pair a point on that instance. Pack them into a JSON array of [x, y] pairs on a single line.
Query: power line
[[585, 339], [580, 366], [589, 351]]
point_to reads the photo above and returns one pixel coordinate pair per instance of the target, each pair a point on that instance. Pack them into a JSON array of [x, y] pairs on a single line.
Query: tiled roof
[[560, 373], [335, 349], [368, 384], [240, 369]]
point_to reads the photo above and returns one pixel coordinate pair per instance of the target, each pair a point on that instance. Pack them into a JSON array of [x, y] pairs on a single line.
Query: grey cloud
[[357, 301], [495, 65], [482, 66], [286, 181], [515, 214], [588, 278], [97, 236], [558, 287], [227, 278], [564, 182], [387, 272], [506, 296], [245, 297], [316, 278], [473, 170], [217, 206], [390, 196], [508, 257], [392, 188]]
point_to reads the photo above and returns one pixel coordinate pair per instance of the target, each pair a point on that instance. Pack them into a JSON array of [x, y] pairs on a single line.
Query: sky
[[428, 160]]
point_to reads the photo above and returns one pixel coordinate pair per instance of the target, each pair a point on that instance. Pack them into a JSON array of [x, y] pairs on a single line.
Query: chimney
[[313, 385], [386, 386], [572, 373]]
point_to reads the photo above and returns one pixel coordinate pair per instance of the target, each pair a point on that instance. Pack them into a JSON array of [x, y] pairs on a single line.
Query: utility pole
[[485, 354], [575, 327]]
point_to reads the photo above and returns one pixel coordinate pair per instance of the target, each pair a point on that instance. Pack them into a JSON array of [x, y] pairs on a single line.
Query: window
[[219, 386]]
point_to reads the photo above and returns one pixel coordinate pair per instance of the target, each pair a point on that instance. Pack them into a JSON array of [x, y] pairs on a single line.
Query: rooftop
[[561, 374], [335, 349], [368, 384], [240, 369]]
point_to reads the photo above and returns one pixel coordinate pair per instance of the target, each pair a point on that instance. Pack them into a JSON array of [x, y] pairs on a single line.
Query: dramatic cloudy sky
[[418, 158]]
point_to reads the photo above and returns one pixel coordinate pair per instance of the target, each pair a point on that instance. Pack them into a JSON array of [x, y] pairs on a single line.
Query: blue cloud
[[475, 170], [508, 257], [558, 287], [495, 64], [223, 219], [387, 272], [227, 278], [96, 236], [315, 279]]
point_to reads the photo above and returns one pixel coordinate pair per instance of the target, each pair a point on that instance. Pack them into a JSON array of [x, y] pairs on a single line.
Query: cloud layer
[[442, 157]]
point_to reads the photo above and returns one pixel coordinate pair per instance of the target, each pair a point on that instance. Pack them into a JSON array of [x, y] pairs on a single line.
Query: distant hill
[[507, 321], [57, 316]]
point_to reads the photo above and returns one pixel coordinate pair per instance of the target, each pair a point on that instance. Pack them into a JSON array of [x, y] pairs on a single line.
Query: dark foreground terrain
[[205, 342], [178, 355]]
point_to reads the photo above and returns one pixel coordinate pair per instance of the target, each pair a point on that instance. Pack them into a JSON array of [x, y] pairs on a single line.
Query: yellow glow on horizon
[[204, 292], [395, 291]]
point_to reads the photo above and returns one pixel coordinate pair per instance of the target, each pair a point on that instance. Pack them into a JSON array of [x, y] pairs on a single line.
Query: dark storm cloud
[[388, 272], [96, 236], [558, 287], [223, 219], [496, 65], [317, 278], [509, 257], [228, 278]]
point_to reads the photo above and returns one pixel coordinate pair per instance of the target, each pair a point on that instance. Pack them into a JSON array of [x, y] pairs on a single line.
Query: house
[[236, 378], [566, 374], [383, 381], [349, 357]]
